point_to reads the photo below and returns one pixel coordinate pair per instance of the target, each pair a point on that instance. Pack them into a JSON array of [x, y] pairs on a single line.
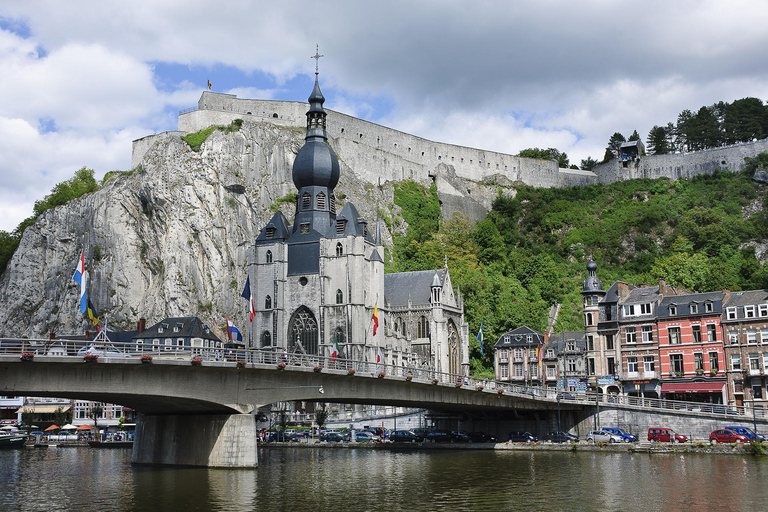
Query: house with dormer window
[[179, 337]]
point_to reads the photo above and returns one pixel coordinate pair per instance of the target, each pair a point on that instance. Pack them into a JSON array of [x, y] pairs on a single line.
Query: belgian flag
[[92, 315]]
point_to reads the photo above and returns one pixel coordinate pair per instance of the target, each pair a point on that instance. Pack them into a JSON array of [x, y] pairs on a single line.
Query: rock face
[[171, 238]]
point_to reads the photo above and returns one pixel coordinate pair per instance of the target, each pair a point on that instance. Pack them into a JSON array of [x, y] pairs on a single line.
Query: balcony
[[649, 374]]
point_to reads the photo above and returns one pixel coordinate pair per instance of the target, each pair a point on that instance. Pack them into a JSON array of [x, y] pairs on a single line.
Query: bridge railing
[[276, 356]]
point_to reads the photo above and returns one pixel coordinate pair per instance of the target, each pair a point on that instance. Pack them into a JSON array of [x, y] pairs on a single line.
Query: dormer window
[[306, 200], [672, 310], [709, 307], [320, 201], [341, 226], [270, 233], [694, 309]]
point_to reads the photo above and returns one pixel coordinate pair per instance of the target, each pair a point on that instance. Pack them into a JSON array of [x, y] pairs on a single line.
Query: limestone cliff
[[171, 238]]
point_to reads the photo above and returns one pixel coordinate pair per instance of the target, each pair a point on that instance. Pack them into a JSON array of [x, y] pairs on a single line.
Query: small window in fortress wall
[[462, 160], [451, 159], [342, 130], [439, 157], [273, 115], [361, 135], [409, 150], [395, 145], [497, 166], [505, 168]]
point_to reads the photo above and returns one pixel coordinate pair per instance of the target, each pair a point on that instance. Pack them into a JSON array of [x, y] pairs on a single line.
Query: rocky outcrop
[[171, 238]]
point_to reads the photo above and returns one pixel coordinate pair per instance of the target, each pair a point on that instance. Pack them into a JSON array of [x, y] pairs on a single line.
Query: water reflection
[[338, 479]]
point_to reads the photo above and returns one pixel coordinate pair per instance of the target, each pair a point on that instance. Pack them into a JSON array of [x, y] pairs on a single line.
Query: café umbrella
[[68, 426], [85, 427], [52, 427]]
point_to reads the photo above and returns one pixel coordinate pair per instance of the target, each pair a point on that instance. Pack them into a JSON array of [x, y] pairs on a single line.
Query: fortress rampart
[[380, 154]]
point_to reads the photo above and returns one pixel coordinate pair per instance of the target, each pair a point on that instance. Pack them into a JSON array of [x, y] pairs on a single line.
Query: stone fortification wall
[[382, 154], [144, 144], [682, 165]]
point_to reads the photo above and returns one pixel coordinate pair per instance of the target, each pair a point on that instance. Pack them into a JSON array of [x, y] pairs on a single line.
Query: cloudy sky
[[80, 80]]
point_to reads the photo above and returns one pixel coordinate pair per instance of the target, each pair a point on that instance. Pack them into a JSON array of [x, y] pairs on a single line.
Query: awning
[[692, 387], [44, 409]]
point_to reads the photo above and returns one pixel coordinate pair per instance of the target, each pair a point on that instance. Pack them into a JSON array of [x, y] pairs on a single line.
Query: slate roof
[[612, 295], [189, 327], [642, 295], [683, 303], [518, 337], [747, 298], [280, 225], [417, 286]]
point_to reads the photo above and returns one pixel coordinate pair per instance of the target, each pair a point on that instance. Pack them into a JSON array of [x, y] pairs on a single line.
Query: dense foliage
[[81, 183], [531, 250], [196, 139]]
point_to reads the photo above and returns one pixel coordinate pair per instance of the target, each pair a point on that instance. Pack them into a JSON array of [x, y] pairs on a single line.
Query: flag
[[80, 278], [247, 296], [209, 85], [538, 355], [231, 329], [93, 316], [336, 352], [481, 338], [375, 318], [379, 359]]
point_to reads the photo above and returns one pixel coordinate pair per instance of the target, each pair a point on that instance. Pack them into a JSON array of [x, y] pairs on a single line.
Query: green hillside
[[531, 250]]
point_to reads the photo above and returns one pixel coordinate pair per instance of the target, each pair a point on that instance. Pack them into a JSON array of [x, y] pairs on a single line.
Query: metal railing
[[278, 358]]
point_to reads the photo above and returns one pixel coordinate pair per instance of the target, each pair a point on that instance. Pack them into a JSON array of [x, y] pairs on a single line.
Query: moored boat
[[12, 440]]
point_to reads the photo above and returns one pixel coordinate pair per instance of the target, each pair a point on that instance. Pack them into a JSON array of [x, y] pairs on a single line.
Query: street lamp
[[754, 417]]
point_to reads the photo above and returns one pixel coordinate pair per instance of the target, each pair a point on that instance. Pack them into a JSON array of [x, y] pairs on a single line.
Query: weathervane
[[317, 56]]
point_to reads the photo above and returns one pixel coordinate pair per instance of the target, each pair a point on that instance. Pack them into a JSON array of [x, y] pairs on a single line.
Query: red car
[[724, 435]]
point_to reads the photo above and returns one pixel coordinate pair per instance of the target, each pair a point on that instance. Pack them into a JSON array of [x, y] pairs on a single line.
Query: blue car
[[747, 432], [627, 438]]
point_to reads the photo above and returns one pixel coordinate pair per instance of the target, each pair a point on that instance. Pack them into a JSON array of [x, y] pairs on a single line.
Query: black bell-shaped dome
[[316, 165], [592, 283]]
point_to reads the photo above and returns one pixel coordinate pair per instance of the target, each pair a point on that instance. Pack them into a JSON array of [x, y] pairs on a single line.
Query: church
[[320, 282]]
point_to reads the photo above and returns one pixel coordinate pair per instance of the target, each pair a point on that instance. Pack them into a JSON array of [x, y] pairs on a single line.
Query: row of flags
[[81, 278]]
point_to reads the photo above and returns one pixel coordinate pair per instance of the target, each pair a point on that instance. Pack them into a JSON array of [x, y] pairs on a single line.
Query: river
[[85, 479]]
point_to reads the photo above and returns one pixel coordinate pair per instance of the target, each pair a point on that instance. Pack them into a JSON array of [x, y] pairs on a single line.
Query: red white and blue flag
[[80, 278], [247, 296], [232, 330]]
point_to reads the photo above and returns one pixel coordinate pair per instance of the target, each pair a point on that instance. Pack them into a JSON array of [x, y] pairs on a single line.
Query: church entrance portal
[[303, 333]]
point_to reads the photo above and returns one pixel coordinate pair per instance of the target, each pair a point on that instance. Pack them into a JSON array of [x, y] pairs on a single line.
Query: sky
[[80, 80]]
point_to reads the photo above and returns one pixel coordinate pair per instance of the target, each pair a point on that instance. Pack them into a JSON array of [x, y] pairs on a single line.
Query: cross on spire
[[317, 56]]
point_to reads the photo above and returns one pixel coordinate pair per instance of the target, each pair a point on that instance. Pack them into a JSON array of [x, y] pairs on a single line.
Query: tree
[[744, 120], [657, 141], [588, 164], [546, 154], [95, 412], [321, 414], [706, 129], [634, 136], [683, 129], [615, 142]]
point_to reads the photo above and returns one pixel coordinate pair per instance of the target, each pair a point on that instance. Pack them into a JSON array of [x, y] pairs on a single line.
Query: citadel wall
[[380, 154]]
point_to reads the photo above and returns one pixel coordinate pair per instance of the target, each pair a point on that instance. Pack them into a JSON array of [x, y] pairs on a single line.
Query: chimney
[[623, 289], [142, 325], [662, 288], [727, 295]]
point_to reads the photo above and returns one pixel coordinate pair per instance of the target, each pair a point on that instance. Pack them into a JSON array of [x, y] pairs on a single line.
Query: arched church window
[[302, 332], [338, 336], [269, 256], [453, 349], [268, 302], [422, 327], [320, 201], [305, 201], [266, 339], [339, 249], [339, 297], [403, 329]]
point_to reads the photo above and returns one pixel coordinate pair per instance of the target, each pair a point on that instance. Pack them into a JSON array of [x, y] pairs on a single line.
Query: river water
[[85, 479]]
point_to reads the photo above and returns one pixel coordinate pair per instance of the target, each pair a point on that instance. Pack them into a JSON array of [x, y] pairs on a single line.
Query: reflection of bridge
[[201, 415]]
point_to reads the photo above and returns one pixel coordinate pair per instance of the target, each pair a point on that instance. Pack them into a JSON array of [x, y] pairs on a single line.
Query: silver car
[[602, 436]]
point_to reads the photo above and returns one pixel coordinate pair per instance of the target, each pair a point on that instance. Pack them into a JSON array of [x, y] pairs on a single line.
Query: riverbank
[[660, 448]]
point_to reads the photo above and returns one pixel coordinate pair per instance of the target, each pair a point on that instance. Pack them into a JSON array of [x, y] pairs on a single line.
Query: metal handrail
[[278, 357]]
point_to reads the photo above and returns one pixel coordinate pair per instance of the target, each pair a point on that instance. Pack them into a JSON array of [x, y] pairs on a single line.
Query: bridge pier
[[209, 440]]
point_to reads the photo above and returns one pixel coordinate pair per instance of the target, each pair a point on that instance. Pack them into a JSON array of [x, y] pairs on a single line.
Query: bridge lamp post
[[754, 417]]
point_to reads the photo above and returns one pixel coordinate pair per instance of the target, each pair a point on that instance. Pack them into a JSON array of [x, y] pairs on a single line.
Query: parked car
[[439, 436], [558, 436], [366, 437], [665, 435], [626, 437], [331, 437], [565, 396], [602, 436], [522, 437], [725, 435], [459, 436], [747, 432], [405, 436], [481, 437], [279, 437]]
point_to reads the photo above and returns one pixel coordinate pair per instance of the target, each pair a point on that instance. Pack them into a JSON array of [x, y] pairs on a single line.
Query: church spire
[[316, 115]]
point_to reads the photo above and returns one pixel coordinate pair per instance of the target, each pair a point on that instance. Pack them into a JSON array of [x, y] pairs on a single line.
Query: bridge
[[197, 410]]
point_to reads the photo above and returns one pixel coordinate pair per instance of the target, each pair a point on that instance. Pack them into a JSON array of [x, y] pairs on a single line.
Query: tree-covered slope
[[530, 252]]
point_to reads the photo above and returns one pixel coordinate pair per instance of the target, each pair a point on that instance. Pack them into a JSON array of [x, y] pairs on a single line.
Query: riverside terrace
[[202, 414]]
